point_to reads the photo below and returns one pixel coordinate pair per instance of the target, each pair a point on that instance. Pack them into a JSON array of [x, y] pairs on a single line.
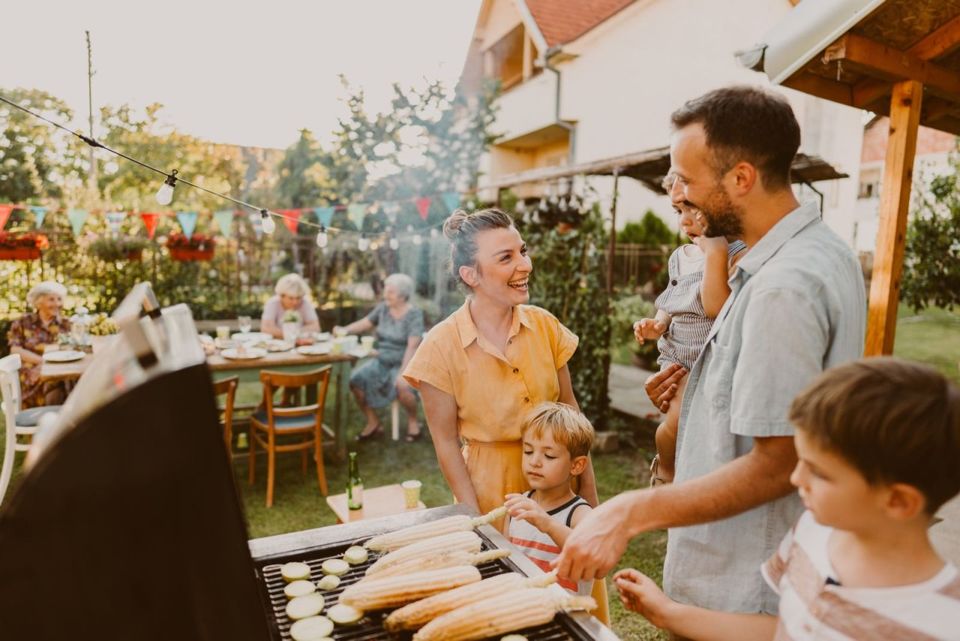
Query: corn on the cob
[[414, 615], [505, 613], [438, 561], [466, 541], [461, 522], [393, 591]]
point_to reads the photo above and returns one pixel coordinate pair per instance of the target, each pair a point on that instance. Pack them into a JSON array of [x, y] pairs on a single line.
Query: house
[[585, 80]]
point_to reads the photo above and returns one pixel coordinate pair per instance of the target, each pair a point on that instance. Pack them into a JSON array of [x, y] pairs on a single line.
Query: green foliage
[[304, 179], [931, 273], [113, 248], [626, 311], [651, 230], [569, 280]]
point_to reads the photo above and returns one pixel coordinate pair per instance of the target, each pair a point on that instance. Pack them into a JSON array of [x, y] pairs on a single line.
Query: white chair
[[16, 423]]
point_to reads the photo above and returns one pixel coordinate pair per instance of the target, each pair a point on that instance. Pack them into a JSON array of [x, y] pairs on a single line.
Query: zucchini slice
[[295, 571], [298, 588], [329, 582], [335, 567], [311, 629], [355, 555], [305, 606], [344, 614]]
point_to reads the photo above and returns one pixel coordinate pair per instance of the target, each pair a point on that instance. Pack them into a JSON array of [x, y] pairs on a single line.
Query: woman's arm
[[26, 355], [440, 409], [412, 343], [363, 326], [267, 326], [311, 326], [588, 482], [715, 289]]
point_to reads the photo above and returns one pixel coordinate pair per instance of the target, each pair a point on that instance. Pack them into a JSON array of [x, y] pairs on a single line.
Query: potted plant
[[22, 246], [196, 247], [110, 248], [291, 325]]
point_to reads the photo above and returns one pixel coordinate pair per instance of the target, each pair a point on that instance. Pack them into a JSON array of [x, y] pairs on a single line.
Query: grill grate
[[370, 628]]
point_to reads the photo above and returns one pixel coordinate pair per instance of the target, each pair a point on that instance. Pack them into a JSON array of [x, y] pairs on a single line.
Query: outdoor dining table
[[248, 370]]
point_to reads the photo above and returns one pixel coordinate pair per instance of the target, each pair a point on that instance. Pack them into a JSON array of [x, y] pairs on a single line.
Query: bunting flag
[[39, 214], [224, 220], [356, 212], [5, 214], [77, 218], [452, 200], [254, 217], [188, 222], [291, 218], [324, 215], [423, 206], [150, 221], [114, 220]]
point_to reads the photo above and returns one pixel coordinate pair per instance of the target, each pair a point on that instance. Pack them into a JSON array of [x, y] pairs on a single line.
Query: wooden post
[[611, 254], [905, 105]]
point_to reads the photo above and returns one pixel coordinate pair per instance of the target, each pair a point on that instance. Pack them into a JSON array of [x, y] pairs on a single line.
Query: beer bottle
[[354, 485]]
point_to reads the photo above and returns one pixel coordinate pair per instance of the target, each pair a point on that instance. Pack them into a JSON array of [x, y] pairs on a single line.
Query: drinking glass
[[244, 323]]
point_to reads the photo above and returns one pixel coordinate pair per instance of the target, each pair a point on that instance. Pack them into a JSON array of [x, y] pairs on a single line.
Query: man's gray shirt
[[797, 308]]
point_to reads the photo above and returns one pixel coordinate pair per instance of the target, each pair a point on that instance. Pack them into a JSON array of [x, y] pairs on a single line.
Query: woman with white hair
[[399, 329], [28, 336], [292, 300]]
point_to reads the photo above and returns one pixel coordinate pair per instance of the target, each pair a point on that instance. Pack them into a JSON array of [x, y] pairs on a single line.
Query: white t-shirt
[[273, 310], [813, 605]]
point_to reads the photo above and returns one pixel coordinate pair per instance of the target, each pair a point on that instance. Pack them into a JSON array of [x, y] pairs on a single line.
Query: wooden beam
[[872, 58], [940, 42], [819, 86], [905, 105]]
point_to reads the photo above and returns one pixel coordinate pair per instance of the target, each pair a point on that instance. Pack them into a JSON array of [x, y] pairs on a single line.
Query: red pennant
[[291, 218], [150, 222], [5, 214], [423, 206]]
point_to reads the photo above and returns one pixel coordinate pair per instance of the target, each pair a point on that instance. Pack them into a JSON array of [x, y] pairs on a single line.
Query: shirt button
[[526, 399], [673, 282], [516, 371]]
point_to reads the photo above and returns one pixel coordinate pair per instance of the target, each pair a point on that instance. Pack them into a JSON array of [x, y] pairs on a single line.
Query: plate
[[248, 354], [63, 356], [321, 337], [318, 349], [276, 345], [251, 336]]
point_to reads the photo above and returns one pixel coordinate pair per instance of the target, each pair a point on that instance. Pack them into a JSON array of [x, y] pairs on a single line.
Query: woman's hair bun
[[453, 223]]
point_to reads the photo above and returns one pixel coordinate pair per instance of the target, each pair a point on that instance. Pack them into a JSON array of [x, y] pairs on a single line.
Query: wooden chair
[[227, 386], [271, 423], [17, 423]]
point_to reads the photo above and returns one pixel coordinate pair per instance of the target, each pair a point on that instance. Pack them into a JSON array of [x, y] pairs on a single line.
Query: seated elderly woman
[[28, 336], [398, 326], [292, 299]]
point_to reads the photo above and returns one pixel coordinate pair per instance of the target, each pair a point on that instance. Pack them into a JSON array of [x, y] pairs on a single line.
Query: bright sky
[[252, 76]]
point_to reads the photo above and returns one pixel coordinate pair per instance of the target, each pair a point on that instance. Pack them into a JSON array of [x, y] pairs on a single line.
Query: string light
[[394, 243], [322, 239], [266, 222], [543, 206], [165, 193], [417, 239], [434, 233], [363, 244]]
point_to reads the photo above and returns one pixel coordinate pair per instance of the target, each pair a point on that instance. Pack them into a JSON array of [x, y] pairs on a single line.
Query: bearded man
[[797, 307]]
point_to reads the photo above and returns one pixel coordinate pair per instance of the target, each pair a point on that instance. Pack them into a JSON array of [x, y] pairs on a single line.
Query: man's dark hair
[[893, 420], [749, 124]]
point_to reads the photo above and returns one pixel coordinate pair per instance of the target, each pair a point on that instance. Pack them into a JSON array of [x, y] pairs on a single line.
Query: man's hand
[[662, 386], [526, 509], [648, 329], [597, 543], [640, 594]]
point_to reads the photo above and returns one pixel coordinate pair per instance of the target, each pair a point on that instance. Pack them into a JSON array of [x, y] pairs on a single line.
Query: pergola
[[649, 168], [899, 58]]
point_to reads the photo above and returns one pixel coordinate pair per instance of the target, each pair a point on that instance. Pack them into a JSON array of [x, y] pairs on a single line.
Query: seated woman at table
[[28, 336], [398, 326], [292, 295]]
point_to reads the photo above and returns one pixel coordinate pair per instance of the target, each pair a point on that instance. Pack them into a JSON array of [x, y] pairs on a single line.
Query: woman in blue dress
[[398, 327]]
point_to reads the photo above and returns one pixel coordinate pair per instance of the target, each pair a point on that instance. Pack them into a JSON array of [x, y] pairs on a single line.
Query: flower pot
[[19, 253], [290, 332], [187, 254]]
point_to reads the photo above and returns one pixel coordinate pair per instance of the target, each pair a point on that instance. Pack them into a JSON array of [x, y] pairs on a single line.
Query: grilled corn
[[466, 541], [393, 591], [407, 536]]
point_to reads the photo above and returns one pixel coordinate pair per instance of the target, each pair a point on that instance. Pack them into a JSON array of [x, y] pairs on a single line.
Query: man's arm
[[760, 476]]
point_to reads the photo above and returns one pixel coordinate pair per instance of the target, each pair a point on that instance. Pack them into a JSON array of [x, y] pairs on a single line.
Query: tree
[[651, 230], [931, 271], [304, 178]]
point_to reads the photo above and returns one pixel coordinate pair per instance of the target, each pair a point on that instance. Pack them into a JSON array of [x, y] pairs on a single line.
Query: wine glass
[[244, 323]]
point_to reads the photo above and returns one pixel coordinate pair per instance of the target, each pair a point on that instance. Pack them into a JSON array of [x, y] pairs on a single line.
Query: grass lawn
[[931, 336]]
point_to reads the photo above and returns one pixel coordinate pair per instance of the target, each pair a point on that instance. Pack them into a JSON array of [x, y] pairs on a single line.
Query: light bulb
[[521, 207], [394, 243], [322, 238], [374, 246], [434, 233], [165, 193], [543, 205], [417, 239], [363, 244], [266, 222]]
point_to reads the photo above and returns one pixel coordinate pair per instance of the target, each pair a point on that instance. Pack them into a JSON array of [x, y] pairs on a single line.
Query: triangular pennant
[[5, 214], [188, 222], [224, 220], [452, 200], [115, 219], [254, 218], [356, 212], [77, 218], [39, 214], [324, 215], [291, 218], [423, 206], [150, 221]]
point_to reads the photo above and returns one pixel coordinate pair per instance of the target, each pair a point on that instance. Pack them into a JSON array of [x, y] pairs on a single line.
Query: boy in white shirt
[[878, 443]]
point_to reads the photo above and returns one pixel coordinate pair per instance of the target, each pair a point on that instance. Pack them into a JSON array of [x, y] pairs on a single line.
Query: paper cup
[[411, 494], [367, 343], [223, 332]]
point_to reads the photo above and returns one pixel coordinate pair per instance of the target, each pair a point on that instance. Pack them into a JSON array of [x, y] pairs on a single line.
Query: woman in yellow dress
[[481, 369]]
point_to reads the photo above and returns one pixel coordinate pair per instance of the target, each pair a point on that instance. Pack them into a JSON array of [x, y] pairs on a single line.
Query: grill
[[565, 627]]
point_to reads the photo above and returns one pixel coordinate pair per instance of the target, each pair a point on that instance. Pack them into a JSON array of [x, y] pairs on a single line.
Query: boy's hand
[[711, 245], [648, 329], [526, 509], [639, 593]]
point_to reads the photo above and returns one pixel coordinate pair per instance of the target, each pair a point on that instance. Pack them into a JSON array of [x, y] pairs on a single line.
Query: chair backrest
[[227, 386], [274, 380], [10, 388]]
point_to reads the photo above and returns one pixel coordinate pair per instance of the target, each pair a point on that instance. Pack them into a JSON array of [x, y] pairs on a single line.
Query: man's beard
[[723, 218]]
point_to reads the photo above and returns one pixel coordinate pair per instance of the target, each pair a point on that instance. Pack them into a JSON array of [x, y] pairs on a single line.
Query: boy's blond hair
[[568, 427]]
